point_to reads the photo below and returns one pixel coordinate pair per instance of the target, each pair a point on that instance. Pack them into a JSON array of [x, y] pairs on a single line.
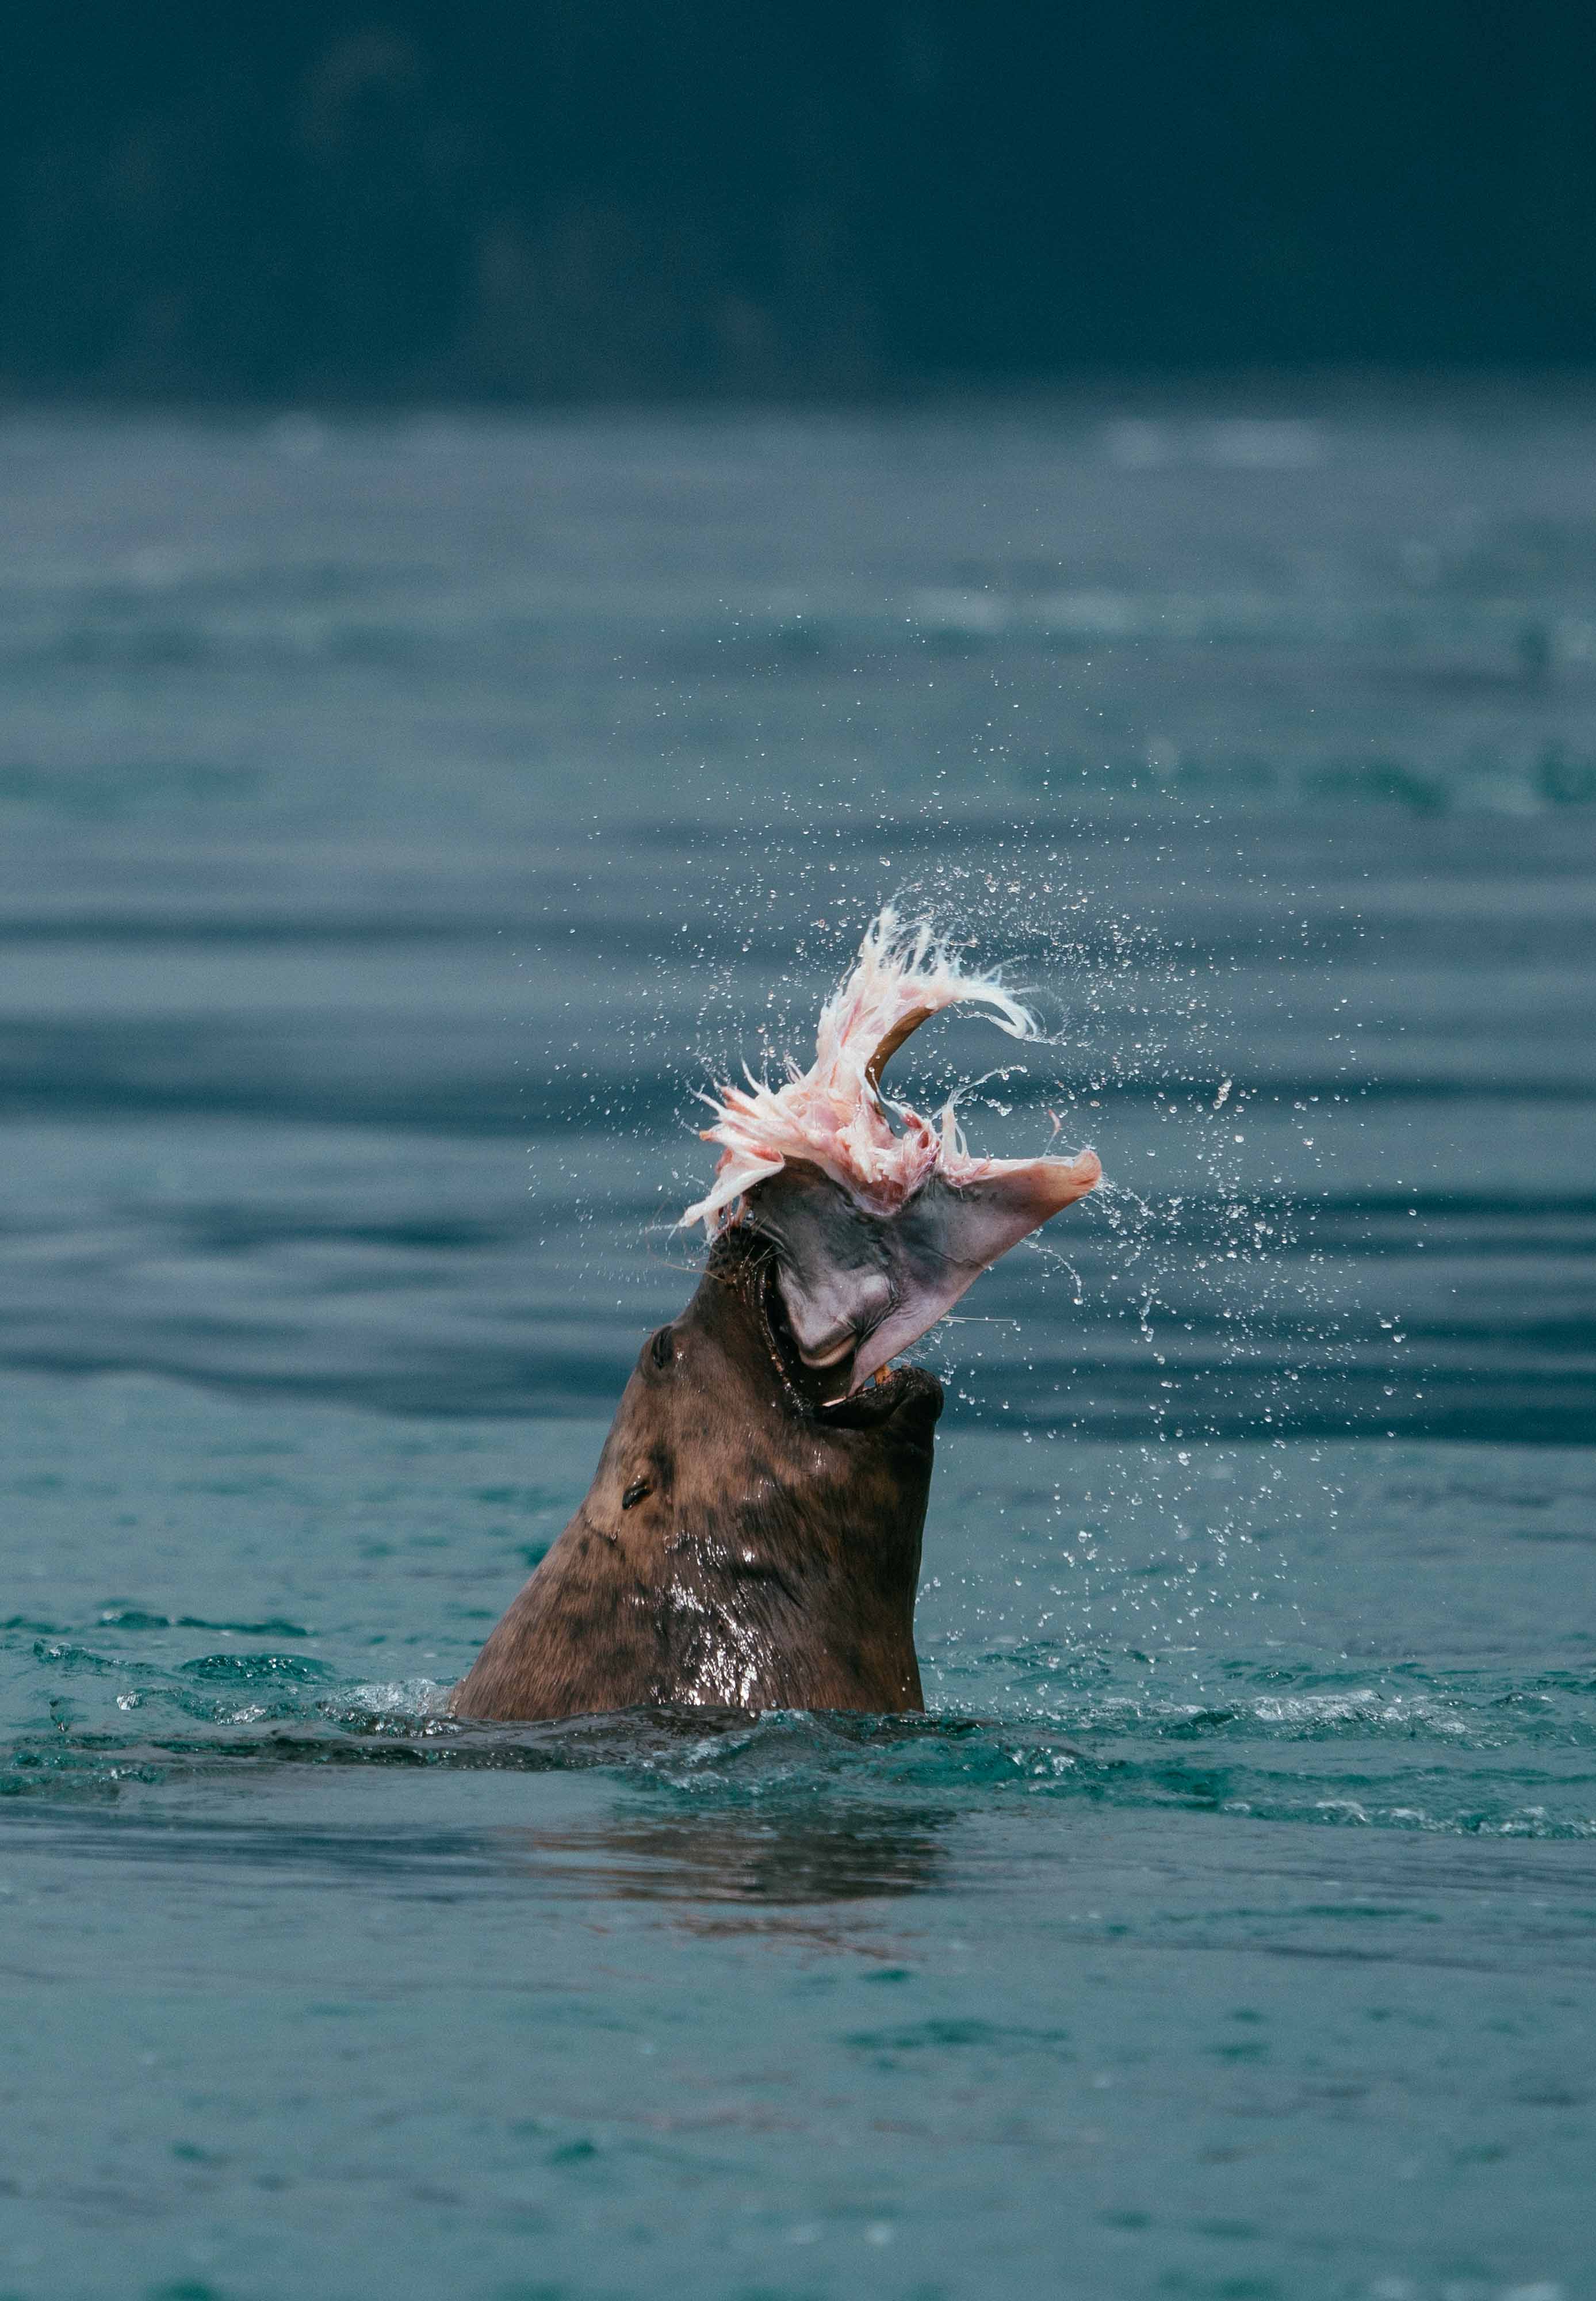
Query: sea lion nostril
[[662, 1350]]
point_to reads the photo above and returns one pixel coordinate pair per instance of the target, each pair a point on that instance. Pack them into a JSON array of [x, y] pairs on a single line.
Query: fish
[[878, 1219]]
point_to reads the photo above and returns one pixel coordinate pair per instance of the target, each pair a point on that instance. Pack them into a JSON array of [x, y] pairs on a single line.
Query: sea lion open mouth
[[814, 1388], [751, 1538], [825, 1393]]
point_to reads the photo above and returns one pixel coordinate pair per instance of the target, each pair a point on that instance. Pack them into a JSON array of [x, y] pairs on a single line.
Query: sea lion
[[751, 1539]]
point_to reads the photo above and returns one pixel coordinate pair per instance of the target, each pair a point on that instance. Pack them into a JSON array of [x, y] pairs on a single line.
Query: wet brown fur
[[739, 1547]]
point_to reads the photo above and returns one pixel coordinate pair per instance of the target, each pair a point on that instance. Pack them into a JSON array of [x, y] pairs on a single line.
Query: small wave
[[415, 1701], [1403, 1763]]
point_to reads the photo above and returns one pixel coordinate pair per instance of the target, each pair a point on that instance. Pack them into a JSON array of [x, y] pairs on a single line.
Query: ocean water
[[404, 819]]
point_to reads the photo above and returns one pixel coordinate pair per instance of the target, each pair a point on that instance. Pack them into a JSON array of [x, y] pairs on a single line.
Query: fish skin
[[860, 1284]]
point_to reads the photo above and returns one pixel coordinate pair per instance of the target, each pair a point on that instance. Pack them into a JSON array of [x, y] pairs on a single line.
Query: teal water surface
[[1229, 1929], [402, 819]]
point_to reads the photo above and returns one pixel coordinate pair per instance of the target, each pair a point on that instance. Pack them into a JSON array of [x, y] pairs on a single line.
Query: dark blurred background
[[608, 198]]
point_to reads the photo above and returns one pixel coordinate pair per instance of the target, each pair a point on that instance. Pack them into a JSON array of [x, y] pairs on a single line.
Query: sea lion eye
[[662, 1350], [636, 1491]]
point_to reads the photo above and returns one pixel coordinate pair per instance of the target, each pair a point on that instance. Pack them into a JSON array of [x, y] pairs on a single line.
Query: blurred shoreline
[[1316, 389]]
